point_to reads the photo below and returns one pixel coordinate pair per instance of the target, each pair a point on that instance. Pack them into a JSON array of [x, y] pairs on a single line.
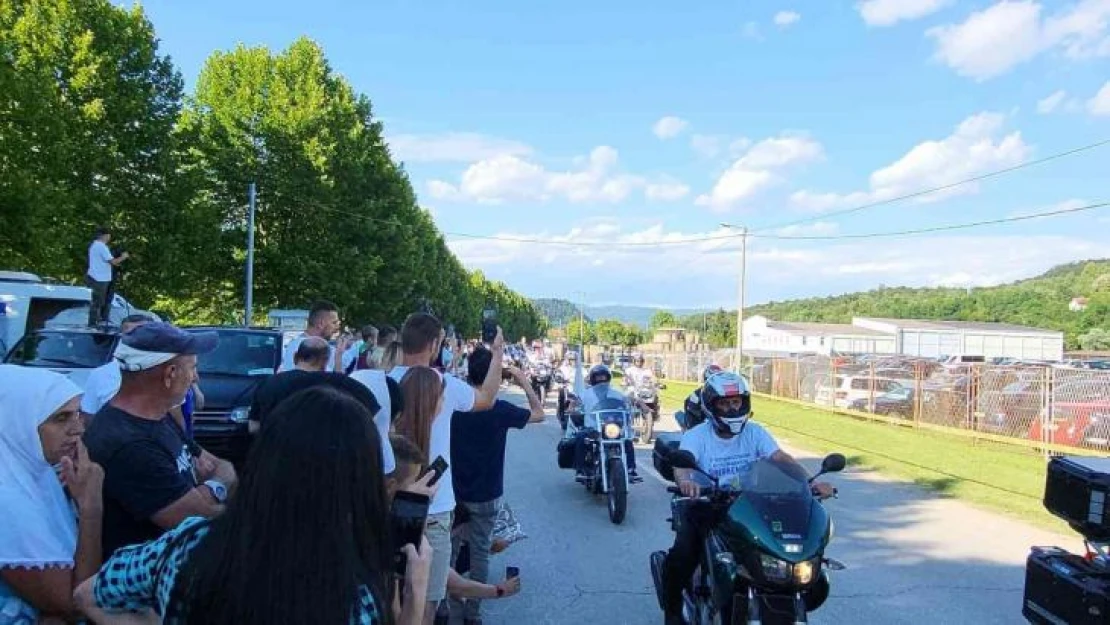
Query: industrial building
[[910, 337]]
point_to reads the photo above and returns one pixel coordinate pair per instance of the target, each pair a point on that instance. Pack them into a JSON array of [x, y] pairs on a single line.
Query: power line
[[869, 235], [695, 240], [932, 190]]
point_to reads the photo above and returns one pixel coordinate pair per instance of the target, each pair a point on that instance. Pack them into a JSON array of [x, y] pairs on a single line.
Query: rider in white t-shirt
[[725, 446], [637, 374]]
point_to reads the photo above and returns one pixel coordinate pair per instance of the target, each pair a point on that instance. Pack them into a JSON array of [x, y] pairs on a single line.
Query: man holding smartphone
[[421, 337], [478, 448]]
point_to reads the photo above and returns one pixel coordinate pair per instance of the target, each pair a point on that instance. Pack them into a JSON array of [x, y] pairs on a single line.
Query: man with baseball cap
[[151, 480]]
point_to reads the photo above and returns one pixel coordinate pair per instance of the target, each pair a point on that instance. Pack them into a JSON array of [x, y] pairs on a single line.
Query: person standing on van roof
[[99, 275]]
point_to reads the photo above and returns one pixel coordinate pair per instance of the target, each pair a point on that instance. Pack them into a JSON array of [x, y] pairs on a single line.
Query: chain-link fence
[[1056, 405]]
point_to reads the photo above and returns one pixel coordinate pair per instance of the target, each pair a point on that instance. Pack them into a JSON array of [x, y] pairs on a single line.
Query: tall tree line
[[95, 129]]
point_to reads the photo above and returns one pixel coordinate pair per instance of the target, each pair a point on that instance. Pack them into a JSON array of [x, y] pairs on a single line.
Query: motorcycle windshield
[[778, 493]]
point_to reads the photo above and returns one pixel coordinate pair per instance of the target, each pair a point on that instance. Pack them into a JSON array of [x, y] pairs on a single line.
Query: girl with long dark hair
[[305, 540], [422, 390]]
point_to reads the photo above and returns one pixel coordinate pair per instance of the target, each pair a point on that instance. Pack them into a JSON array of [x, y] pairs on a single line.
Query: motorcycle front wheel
[[618, 491]]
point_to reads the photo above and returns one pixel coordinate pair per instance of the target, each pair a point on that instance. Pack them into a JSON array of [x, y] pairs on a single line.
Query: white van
[[28, 303]]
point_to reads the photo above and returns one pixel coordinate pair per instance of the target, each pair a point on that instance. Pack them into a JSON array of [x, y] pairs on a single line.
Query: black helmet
[[599, 374]]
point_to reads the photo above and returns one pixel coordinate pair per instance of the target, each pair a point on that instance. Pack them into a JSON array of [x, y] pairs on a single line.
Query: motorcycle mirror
[[833, 463], [682, 459]]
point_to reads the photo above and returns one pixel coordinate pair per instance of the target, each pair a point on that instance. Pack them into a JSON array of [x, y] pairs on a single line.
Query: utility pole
[[743, 293], [250, 257]]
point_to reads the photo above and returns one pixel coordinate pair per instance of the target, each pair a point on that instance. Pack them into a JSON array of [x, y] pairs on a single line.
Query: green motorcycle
[[763, 559]]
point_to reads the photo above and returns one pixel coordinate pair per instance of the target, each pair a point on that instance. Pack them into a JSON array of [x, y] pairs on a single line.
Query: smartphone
[[511, 572], [439, 466], [407, 518], [489, 325]]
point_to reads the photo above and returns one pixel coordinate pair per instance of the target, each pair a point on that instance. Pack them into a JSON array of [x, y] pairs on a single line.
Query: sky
[[592, 151]]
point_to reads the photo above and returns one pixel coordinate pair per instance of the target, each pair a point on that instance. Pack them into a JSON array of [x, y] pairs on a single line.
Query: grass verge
[[990, 475]]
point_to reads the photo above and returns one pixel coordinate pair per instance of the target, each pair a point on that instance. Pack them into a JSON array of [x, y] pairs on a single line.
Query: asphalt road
[[912, 557]]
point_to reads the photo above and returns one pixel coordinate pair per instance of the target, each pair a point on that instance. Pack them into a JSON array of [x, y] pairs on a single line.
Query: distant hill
[[1042, 301], [560, 311]]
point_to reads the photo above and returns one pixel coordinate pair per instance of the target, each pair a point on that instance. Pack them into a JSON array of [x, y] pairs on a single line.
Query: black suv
[[229, 377]]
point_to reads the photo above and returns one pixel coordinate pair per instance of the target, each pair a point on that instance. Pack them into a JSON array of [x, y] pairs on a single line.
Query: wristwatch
[[219, 491], [500, 590]]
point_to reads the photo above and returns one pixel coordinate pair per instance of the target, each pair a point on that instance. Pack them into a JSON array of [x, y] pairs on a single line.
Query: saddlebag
[[665, 442], [1077, 490], [565, 450], [1065, 588]]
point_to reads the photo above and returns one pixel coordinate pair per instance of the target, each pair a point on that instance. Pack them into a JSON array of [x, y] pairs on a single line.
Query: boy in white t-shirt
[[421, 337], [725, 446]]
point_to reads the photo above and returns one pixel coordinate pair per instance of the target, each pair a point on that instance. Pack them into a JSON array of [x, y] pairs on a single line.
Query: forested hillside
[[1042, 301]]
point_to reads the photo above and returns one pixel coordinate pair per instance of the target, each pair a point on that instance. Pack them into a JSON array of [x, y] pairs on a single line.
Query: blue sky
[[645, 122]]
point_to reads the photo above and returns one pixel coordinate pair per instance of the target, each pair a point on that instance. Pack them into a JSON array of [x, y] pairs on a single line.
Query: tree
[[87, 108], [578, 332], [662, 319], [1095, 340], [1102, 283]]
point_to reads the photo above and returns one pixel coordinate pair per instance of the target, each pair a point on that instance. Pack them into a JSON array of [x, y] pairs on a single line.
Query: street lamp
[[743, 291]]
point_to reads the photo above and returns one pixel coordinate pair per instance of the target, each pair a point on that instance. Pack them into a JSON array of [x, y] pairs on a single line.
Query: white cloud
[[758, 169], [1100, 103], [696, 269], [784, 19], [711, 146], [595, 178], [751, 31], [890, 12], [993, 41], [1052, 102], [669, 127], [463, 147], [1059, 206], [666, 190], [977, 146]]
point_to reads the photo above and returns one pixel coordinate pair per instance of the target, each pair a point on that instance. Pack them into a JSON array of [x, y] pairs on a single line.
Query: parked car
[[73, 352], [229, 377], [896, 403], [847, 388], [1080, 414]]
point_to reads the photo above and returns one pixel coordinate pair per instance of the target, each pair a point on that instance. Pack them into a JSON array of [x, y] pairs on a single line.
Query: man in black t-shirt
[[151, 480], [478, 472], [311, 358]]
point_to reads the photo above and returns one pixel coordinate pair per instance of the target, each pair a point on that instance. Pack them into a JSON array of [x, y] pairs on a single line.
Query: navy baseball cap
[[154, 344]]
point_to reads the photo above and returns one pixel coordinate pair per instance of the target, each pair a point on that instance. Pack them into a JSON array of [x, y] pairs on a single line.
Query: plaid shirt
[[141, 577]]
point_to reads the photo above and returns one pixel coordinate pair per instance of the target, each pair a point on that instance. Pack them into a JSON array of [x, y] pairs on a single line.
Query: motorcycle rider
[[725, 445], [637, 374], [692, 406], [597, 389], [566, 370]]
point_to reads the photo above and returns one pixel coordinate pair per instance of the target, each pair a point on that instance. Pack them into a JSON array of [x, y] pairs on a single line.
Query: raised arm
[[487, 394]]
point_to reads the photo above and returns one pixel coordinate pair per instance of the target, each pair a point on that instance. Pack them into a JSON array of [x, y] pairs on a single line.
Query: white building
[[933, 339], [929, 339], [777, 337]]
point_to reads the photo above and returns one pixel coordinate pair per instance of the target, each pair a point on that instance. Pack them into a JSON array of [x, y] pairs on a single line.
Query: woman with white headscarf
[[50, 495]]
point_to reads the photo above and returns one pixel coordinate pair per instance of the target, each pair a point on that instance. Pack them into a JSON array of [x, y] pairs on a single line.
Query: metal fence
[[1032, 403]]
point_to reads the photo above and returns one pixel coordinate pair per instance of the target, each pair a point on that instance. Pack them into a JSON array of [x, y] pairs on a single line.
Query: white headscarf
[[40, 529]]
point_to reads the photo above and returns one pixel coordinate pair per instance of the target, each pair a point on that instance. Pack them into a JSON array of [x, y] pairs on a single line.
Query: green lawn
[[1004, 478]]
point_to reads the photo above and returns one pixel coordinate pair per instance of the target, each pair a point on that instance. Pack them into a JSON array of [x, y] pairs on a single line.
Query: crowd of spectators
[[119, 516]]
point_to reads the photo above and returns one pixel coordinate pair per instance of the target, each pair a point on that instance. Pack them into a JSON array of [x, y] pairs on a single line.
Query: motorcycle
[[607, 428], [763, 560], [562, 385], [541, 377], [645, 389]]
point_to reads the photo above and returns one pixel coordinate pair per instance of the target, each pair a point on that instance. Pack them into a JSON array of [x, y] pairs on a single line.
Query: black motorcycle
[[542, 379], [764, 556]]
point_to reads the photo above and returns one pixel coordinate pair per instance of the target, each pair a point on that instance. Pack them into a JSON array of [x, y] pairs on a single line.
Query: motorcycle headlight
[[240, 414], [803, 572], [774, 570], [611, 430]]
